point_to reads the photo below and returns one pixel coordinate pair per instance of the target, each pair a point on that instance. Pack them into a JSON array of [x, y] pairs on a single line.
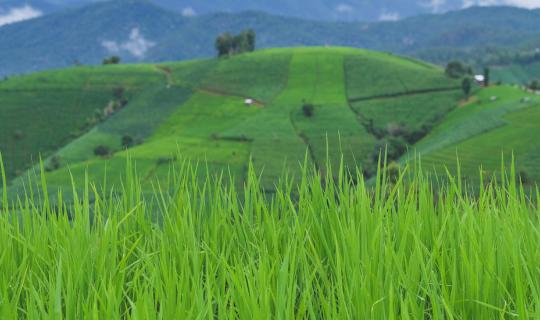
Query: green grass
[[318, 248], [261, 76]]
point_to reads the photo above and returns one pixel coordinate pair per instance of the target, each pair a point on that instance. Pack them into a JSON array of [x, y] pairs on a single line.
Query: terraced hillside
[[315, 102], [499, 122]]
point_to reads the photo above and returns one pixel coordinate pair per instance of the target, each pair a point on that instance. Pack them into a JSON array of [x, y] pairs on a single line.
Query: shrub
[[456, 70], [127, 142], [396, 129], [102, 151], [308, 110], [393, 147], [534, 85], [54, 164]]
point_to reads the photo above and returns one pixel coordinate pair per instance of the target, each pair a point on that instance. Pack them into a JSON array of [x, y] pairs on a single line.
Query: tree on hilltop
[[227, 44], [111, 60]]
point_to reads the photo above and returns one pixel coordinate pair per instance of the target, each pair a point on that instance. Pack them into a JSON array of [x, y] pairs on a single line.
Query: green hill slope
[[499, 121], [196, 109]]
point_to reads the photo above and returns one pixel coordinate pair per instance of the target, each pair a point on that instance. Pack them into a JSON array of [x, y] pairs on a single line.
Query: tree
[[227, 44], [127, 142], [456, 70], [534, 85], [466, 86], [308, 110], [102, 151], [486, 77], [112, 60], [224, 44], [251, 39], [54, 164]]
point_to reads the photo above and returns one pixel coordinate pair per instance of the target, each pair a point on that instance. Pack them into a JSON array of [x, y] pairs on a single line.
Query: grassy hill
[[498, 121], [196, 109], [516, 73], [361, 102]]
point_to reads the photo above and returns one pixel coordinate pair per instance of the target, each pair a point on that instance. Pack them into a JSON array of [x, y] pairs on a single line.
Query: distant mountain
[[359, 10], [140, 31]]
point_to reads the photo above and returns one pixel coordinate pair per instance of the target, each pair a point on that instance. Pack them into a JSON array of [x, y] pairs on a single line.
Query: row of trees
[[229, 45]]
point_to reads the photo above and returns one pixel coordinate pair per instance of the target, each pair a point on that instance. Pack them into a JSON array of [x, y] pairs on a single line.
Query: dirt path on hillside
[[168, 74]]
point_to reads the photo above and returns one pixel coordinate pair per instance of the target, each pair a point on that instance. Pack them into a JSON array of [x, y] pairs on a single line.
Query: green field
[[363, 102], [197, 109], [520, 74], [483, 132], [202, 249]]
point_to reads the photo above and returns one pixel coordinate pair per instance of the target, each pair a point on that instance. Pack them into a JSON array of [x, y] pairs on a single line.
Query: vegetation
[[487, 77], [473, 36], [534, 85], [482, 130], [466, 85], [322, 248], [198, 108], [457, 70], [111, 60], [308, 110], [102, 151], [72, 101], [229, 45]]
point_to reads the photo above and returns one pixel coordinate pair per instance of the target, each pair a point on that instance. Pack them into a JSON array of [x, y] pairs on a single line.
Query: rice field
[[320, 247]]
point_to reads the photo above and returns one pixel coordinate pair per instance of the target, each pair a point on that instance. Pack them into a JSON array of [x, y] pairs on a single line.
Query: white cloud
[[136, 45], [189, 12], [435, 6], [389, 16], [530, 4], [344, 8], [18, 14]]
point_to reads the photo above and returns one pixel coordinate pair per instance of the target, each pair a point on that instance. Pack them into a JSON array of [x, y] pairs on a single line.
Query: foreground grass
[[319, 248]]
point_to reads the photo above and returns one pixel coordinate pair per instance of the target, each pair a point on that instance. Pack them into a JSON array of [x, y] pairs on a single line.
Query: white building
[[480, 79]]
